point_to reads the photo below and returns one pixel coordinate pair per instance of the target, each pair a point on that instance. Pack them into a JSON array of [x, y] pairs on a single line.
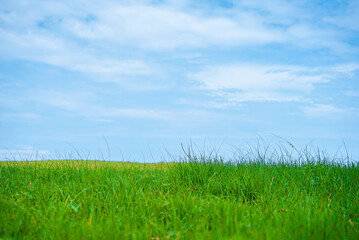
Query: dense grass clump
[[194, 199]]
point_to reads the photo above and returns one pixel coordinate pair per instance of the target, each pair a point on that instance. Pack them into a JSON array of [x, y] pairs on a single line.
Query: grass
[[199, 198]]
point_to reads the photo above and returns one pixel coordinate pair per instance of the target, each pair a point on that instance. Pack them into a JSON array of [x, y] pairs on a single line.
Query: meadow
[[197, 197]]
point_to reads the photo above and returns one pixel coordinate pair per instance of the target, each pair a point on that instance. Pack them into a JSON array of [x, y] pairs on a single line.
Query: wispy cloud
[[23, 154], [53, 51], [115, 42], [328, 110], [258, 77], [347, 18], [165, 28], [84, 104], [345, 68], [169, 25], [352, 93], [254, 82]]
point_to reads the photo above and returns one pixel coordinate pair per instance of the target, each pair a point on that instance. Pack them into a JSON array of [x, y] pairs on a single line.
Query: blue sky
[[146, 76]]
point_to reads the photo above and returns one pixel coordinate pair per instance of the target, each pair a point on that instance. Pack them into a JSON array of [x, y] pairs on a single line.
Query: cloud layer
[[253, 82]]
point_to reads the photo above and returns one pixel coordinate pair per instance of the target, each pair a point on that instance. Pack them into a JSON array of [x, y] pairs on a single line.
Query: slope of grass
[[196, 199]]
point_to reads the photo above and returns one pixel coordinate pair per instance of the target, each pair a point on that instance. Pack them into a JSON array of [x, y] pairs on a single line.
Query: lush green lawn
[[198, 200]]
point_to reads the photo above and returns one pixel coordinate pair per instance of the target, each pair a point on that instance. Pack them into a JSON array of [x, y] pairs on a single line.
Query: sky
[[132, 80]]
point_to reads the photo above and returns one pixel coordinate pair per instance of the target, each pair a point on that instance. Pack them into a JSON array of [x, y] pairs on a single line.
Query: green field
[[194, 199]]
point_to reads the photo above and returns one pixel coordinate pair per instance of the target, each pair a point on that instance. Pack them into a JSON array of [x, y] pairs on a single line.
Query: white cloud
[[275, 11], [317, 37], [325, 110], [347, 68], [352, 93], [80, 36], [258, 77], [100, 111], [164, 28], [254, 82], [348, 18], [24, 154], [256, 96], [84, 104], [56, 52], [113, 113]]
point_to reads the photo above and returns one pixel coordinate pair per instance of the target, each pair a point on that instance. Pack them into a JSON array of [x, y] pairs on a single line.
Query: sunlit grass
[[253, 197]]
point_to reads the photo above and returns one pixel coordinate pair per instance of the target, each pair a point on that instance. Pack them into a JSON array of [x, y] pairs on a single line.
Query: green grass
[[204, 198]]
